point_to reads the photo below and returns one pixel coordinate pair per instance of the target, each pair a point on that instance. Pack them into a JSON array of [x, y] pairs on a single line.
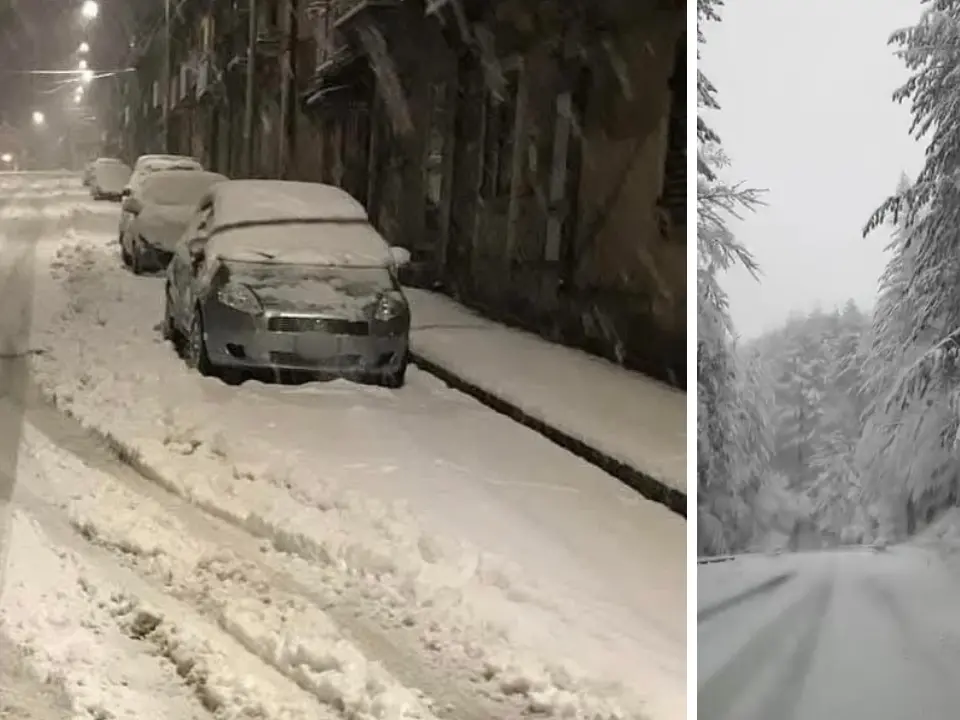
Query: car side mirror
[[125, 192], [401, 256], [132, 205]]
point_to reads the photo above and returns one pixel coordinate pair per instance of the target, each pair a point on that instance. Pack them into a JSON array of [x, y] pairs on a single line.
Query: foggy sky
[[804, 88]]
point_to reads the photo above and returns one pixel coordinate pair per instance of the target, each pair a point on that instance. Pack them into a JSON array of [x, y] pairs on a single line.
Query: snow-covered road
[[181, 548], [853, 634]]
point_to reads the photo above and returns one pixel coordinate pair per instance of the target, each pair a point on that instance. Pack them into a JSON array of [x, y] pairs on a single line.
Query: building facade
[[529, 153]]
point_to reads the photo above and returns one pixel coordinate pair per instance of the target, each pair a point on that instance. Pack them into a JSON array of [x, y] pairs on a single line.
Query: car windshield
[[177, 188]]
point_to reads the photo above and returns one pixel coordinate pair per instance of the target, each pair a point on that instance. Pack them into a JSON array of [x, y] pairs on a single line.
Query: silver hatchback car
[[287, 276]]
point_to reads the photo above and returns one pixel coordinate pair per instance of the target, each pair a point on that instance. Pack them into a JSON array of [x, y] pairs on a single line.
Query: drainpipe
[[166, 76]]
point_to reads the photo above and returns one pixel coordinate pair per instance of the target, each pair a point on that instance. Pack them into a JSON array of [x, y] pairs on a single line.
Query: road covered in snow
[[178, 547], [854, 634]]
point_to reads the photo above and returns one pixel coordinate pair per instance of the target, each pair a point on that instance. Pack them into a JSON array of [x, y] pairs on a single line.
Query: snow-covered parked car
[[143, 168], [287, 276], [108, 178], [165, 202]]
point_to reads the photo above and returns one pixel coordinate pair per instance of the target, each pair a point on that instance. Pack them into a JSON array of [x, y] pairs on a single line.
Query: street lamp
[[84, 48], [39, 118], [90, 9], [86, 76], [6, 158], [83, 65]]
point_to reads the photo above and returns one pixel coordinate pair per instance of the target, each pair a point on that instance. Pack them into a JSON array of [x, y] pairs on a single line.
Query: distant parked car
[[108, 177], [145, 166], [160, 211], [287, 276]]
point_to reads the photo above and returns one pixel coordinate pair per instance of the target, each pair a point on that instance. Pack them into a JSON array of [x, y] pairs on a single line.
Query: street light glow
[[38, 118], [86, 77], [90, 9], [7, 158], [83, 65], [84, 48]]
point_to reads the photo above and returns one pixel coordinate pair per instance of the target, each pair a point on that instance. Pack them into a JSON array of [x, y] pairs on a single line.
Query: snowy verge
[[102, 346], [635, 420]]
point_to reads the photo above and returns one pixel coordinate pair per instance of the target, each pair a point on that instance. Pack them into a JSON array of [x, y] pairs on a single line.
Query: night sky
[[44, 35]]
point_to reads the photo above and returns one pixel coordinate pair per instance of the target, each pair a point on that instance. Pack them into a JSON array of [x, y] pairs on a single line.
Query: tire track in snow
[[437, 682], [17, 254]]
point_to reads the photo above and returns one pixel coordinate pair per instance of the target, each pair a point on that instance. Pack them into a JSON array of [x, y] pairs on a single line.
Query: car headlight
[[388, 308], [239, 297]]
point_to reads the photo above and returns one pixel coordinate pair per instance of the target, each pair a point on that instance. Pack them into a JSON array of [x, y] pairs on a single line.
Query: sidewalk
[[628, 424]]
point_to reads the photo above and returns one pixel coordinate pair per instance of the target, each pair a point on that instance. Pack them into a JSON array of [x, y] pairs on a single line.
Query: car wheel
[[124, 255], [397, 378], [136, 259], [167, 328], [196, 346]]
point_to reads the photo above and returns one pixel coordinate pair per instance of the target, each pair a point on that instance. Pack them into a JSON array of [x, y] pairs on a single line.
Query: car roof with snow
[[176, 186], [144, 159], [260, 202], [322, 225]]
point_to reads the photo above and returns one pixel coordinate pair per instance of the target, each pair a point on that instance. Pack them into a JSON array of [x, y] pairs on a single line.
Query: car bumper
[[319, 352]]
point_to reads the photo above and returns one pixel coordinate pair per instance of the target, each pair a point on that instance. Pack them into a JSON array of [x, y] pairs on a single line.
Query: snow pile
[[282, 630], [64, 626], [282, 476]]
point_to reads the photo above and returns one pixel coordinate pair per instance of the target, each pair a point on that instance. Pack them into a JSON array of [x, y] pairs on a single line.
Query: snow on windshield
[[263, 201], [178, 187], [354, 244]]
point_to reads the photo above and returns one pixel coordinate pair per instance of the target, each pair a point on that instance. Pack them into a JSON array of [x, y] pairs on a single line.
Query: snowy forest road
[[854, 634], [182, 548]]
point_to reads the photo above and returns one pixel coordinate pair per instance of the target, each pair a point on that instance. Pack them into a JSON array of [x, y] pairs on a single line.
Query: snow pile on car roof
[[264, 201]]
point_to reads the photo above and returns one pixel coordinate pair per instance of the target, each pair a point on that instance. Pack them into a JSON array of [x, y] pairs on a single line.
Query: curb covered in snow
[[646, 485]]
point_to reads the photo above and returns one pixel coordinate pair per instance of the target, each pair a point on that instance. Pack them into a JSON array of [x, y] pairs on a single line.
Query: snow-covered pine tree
[[908, 448], [725, 438]]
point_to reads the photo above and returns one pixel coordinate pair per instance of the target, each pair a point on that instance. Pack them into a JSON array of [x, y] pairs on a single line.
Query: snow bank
[[282, 630], [64, 626], [636, 420], [285, 476]]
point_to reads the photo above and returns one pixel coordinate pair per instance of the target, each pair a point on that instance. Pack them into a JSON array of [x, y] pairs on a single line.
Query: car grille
[[334, 326]]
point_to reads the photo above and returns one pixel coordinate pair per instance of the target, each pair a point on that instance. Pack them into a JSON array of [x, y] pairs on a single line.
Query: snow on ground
[[580, 622], [278, 630], [636, 420]]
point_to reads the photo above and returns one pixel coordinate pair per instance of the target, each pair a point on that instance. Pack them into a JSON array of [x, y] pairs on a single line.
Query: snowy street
[[851, 633], [179, 548]]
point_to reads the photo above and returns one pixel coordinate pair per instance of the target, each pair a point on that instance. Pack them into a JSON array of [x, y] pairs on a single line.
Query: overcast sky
[[804, 88]]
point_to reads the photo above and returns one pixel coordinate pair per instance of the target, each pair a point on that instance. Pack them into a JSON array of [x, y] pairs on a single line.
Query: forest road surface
[[855, 634]]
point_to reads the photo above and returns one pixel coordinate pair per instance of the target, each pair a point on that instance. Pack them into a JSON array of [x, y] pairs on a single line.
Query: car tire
[[124, 255], [136, 259], [397, 378], [167, 329], [195, 347]]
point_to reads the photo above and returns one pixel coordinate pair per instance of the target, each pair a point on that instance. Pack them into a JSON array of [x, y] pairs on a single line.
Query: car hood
[[320, 295], [162, 225]]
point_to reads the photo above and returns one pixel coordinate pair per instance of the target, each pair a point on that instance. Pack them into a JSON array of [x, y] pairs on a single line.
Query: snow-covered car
[[287, 276], [108, 178], [159, 213], [145, 166]]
